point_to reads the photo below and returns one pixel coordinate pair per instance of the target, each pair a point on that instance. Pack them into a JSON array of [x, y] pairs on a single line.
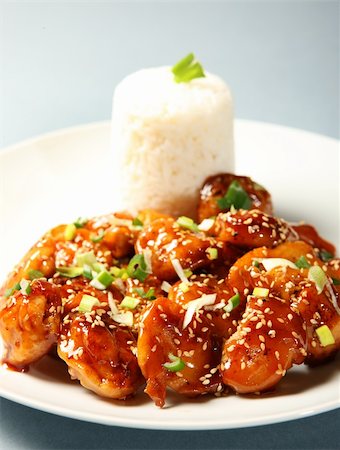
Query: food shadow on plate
[[297, 380], [302, 379]]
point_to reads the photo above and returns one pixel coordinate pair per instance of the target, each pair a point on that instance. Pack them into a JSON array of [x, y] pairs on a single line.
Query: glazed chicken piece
[[293, 285], [41, 257], [144, 294], [216, 187], [221, 321], [333, 270], [167, 241], [109, 237], [269, 339], [252, 228], [100, 353], [308, 233], [191, 325], [319, 309], [194, 350], [29, 323]]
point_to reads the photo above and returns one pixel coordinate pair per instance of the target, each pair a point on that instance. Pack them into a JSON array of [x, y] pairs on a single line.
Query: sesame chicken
[[232, 302]]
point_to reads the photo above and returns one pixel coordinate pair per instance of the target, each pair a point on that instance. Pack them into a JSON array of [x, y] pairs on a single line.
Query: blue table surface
[[59, 64]]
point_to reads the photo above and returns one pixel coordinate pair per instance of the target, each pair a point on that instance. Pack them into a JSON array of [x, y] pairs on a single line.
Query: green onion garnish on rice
[[187, 69]]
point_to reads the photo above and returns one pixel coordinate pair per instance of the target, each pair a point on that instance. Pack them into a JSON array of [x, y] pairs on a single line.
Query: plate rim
[[159, 424]]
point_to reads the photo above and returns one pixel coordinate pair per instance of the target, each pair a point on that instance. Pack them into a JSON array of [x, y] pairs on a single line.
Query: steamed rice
[[167, 138]]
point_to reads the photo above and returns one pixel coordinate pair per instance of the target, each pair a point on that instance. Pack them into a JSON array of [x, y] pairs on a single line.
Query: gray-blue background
[[59, 64], [61, 60]]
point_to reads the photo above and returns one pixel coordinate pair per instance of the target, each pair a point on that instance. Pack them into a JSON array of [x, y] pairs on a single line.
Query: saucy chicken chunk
[[100, 353], [219, 191], [233, 301], [29, 323]]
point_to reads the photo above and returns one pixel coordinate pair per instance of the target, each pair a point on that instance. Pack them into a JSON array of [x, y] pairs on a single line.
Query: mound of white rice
[[167, 137]]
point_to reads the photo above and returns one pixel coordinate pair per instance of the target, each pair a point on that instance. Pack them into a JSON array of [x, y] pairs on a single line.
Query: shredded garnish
[[195, 305]]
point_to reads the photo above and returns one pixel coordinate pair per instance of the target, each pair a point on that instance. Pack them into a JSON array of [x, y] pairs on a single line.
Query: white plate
[[60, 176]]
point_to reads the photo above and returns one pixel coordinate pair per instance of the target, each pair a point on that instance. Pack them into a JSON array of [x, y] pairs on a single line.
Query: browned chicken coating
[[222, 322], [168, 241], [256, 295], [294, 286], [162, 337], [29, 323], [253, 228], [215, 188], [100, 353], [269, 339], [191, 324]]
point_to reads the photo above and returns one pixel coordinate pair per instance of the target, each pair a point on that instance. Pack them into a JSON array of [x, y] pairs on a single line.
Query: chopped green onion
[[183, 64], [302, 263], [235, 196], [34, 274], [232, 209], [87, 272], [89, 259], [187, 69], [150, 295], [137, 268], [70, 272], [318, 276], [255, 263], [183, 287], [212, 253], [87, 303], [187, 273], [336, 281], [137, 222], [326, 256], [97, 237], [102, 280], [272, 263], [206, 224], [117, 272], [86, 258], [261, 292], [11, 291], [124, 276], [124, 318], [129, 302], [70, 232], [25, 287], [187, 223], [80, 222], [176, 363], [233, 302], [325, 336]]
